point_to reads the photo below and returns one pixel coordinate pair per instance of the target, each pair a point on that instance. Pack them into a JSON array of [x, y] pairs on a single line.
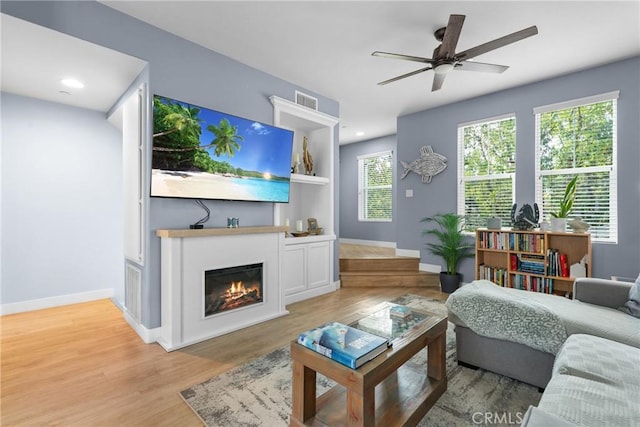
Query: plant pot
[[558, 224], [494, 223], [450, 282]]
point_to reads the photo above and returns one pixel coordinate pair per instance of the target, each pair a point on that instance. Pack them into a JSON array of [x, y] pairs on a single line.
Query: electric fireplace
[[232, 288]]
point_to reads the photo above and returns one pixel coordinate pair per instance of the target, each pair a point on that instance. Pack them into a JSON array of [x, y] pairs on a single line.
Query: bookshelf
[[537, 261]]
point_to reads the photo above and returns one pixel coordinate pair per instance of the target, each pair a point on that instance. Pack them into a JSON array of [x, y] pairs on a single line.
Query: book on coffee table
[[350, 346]]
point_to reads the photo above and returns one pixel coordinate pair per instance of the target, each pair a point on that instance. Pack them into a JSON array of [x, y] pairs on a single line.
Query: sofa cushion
[[536, 417], [587, 402], [632, 306], [598, 359]]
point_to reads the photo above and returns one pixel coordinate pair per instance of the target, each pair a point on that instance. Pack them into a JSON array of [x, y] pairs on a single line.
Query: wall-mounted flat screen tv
[[199, 153]]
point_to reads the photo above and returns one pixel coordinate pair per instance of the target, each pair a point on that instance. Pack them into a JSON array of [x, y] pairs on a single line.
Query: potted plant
[[559, 217], [452, 245]]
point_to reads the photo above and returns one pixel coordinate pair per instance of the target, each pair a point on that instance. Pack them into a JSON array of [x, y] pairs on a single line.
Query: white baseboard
[[49, 302], [377, 243], [408, 253], [148, 336], [431, 268]]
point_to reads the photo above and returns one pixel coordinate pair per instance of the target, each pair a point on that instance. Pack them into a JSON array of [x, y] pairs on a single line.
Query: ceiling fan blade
[[401, 56], [480, 66], [497, 43], [438, 80], [451, 36], [413, 73]]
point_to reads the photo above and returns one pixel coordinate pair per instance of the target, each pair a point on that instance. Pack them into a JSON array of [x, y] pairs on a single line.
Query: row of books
[[493, 274], [558, 263], [493, 240], [354, 345], [511, 241], [499, 276], [527, 243], [532, 283], [534, 264]]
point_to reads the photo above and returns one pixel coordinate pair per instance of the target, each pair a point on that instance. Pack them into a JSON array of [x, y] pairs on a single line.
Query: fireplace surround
[[187, 255]]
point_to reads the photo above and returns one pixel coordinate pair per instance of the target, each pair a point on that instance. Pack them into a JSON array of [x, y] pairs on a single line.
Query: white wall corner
[[148, 336], [57, 301]]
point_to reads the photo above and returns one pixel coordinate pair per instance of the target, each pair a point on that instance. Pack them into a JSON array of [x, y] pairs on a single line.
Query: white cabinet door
[[318, 264], [295, 260]]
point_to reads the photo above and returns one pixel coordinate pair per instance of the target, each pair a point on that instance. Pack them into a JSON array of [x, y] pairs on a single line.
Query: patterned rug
[[258, 393]]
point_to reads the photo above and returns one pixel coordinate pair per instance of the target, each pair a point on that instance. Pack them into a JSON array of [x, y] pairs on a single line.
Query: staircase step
[[379, 264], [389, 279]]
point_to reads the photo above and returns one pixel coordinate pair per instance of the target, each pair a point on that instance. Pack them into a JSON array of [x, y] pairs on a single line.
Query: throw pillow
[[632, 306]]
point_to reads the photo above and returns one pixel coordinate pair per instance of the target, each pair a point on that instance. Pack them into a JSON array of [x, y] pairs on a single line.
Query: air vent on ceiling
[[306, 100]]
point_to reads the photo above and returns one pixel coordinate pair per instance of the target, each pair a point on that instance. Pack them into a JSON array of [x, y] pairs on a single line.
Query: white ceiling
[[325, 46], [35, 59]]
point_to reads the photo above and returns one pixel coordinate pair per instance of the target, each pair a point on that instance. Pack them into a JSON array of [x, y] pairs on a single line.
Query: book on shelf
[[347, 345]]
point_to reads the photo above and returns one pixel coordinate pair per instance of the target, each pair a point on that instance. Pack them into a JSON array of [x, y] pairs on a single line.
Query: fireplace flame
[[237, 289]]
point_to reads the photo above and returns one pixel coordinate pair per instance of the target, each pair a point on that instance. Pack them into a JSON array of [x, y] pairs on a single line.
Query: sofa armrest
[[603, 292]]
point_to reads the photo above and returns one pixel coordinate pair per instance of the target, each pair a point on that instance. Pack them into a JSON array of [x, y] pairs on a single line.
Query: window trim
[[460, 208], [612, 169], [361, 211]]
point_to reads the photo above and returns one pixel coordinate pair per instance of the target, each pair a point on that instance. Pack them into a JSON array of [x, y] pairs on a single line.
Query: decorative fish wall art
[[427, 165]]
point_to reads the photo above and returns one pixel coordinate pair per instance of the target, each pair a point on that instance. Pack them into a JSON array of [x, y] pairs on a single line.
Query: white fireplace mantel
[[187, 254]]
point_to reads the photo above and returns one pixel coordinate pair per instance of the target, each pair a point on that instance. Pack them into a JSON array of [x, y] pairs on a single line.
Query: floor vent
[[133, 292], [306, 100]]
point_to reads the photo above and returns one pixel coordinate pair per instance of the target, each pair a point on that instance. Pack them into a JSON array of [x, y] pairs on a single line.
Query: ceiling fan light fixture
[[443, 68]]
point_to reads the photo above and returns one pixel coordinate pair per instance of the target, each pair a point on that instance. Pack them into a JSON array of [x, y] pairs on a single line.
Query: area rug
[[258, 393]]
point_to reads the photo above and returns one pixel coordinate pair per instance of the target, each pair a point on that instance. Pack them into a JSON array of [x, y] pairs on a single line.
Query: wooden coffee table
[[389, 390]]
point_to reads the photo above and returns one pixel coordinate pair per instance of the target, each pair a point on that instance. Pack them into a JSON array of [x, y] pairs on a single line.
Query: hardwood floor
[[83, 365]]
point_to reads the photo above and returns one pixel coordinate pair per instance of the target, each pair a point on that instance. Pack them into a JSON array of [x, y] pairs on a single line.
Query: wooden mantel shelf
[[204, 232]]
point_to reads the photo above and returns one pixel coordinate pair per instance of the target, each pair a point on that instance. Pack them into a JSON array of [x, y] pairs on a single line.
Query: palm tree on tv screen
[[226, 138]]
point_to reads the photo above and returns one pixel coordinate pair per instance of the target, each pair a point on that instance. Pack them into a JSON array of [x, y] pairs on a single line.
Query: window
[[375, 178], [578, 138], [486, 170]]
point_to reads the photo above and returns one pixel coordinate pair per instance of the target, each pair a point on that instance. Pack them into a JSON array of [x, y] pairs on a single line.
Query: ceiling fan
[[445, 59]]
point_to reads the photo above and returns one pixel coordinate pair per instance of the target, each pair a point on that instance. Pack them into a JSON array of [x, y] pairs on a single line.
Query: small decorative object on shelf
[[296, 163], [427, 165], [306, 156], [527, 218], [578, 225], [313, 226]]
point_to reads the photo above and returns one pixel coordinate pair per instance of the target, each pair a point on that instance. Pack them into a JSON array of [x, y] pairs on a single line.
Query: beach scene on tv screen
[[206, 154]]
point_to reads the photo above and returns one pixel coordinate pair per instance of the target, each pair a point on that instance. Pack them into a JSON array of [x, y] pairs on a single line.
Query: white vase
[[494, 223], [558, 224]]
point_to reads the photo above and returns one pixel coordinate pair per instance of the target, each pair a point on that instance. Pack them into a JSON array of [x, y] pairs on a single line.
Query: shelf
[[309, 239], [309, 179], [495, 250]]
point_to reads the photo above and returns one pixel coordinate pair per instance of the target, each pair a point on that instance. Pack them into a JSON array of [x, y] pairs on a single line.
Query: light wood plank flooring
[[83, 365]]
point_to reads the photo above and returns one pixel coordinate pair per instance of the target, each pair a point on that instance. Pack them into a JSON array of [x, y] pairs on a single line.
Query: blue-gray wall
[[350, 227], [438, 127], [61, 201], [185, 71]]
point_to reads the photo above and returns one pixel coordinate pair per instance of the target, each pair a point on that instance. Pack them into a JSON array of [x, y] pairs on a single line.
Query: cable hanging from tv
[[200, 223]]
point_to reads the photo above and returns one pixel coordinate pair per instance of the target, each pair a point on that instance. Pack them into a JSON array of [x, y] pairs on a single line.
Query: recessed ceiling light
[[359, 133], [73, 83]]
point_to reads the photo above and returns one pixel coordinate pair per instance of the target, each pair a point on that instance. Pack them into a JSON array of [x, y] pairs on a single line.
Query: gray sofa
[[512, 342], [595, 382]]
